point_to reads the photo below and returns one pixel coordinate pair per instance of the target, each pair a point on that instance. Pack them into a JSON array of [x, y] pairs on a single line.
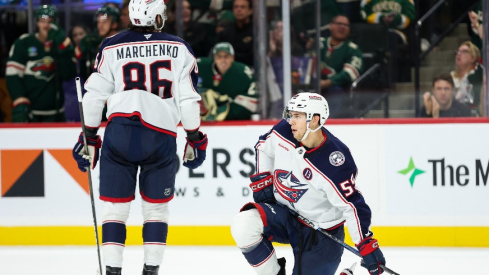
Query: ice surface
[[192, 260]]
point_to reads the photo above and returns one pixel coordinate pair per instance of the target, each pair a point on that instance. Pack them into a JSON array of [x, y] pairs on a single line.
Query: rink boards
[[426, 181]]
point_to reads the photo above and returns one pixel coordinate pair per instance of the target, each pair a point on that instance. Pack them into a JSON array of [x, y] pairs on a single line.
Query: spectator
[[194, 33], [341, 64], [36, 66], [240, 34], [78, 32], [440, 102], [276, 41], [468, 76], [124, 20], [397, 15], [228, 87], [107, 25]]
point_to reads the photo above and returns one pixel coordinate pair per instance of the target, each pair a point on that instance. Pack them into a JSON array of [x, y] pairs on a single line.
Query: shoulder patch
[[352, 45], [336, 158]]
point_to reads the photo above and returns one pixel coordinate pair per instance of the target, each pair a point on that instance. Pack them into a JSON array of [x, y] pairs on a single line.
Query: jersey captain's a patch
[[336, 158], [288, 186]]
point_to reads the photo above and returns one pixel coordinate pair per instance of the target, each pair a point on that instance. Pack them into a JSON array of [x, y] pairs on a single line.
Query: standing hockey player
[[36, 66], [148, 80], [304, 173]]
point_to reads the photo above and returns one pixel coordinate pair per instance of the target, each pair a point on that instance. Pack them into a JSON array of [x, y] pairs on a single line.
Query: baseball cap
[[223, 46]]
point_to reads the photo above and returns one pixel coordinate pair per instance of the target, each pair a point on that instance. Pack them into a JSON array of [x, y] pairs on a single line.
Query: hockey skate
[[281, 262], [113, 270], [150, 269]]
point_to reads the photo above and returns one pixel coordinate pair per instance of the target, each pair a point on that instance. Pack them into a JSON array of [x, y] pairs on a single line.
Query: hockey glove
[[83, 158], [21, 113], [372, 256], [262, 187], [194, 154]]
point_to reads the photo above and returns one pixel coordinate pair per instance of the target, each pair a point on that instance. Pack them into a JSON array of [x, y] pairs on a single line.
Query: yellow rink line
[[220, 235]]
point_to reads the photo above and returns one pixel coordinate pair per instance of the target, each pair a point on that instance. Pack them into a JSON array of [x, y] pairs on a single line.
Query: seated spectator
[[341, 64], [397, 15], [193, 32], [227, 86], [440, 102], [240, 34], [468, 77], [36, 65]]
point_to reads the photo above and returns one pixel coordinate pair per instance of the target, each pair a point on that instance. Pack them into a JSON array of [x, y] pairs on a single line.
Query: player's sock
[[114, 232], [155, 231]]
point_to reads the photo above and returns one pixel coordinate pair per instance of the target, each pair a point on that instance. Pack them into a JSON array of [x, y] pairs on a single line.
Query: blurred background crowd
[[377, 58]]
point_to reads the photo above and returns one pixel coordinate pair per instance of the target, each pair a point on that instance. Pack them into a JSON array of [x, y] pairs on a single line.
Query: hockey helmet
[[143, 13], [311, 104], [47, 11], [111, 11]]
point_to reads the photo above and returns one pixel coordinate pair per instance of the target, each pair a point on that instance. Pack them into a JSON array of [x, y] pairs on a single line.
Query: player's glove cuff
[[262, 187], [195, 152]]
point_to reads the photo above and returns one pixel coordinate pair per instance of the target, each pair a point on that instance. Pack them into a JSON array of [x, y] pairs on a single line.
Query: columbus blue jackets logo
[[337, 158], [288, 186]]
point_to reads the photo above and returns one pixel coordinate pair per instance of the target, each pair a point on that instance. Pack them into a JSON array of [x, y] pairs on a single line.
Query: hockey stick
[[340, 242], [80, 106]]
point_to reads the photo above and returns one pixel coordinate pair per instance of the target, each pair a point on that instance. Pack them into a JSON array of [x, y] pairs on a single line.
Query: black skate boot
[[112, 270], [150, 269], [281, 262]]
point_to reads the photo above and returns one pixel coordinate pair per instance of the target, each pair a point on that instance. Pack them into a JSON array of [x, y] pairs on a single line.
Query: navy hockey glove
[[194, 154], [372, 256], [83, 158], [262, 187]]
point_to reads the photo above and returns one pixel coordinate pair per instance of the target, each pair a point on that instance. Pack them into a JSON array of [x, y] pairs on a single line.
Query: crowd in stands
[[38, 70]]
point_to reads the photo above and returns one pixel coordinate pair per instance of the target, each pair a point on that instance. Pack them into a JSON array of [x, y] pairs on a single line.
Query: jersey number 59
[[134, 75]]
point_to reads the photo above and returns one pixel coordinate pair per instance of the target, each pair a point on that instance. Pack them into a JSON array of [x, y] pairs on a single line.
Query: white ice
[[190, 260]]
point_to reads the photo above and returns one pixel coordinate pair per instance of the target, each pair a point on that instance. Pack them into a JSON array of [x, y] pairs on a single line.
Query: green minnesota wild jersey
[[237, 83], [373, 11], [35, 70], [342, 63]]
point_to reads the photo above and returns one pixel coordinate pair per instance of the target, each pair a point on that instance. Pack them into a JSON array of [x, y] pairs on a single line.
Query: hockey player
[[36, 66], [218, 78], [149, 81], [304, 173], [107, 18]]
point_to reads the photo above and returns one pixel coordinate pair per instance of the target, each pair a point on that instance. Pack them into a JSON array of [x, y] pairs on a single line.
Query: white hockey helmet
[[143, 13], [311, 104]]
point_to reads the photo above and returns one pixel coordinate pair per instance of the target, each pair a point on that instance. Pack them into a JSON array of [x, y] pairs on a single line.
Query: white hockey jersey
[[151, 75], [318, 184]]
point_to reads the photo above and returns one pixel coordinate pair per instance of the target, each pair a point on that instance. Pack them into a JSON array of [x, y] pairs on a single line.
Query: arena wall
[[425, 180]]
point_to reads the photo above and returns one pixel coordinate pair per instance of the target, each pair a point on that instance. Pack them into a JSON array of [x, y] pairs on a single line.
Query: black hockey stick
[[340, 242], [80, 106]]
